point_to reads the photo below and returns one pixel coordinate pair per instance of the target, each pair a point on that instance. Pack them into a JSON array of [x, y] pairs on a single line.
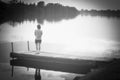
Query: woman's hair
[[38, 26]]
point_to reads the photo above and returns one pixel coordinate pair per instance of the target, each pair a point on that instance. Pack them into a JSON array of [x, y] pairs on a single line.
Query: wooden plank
[[52, 59], [54, 63], [80, 69]]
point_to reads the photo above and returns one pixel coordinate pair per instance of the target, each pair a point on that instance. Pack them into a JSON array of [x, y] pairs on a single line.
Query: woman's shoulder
[[38, 30]]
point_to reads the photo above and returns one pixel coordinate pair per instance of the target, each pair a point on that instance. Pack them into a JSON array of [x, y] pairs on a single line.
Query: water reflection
[[83, 36], [52, 12], [20, 12]]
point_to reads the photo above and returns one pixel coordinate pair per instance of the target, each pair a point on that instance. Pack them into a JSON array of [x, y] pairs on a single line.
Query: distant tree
[[13, 1], [41, 4]]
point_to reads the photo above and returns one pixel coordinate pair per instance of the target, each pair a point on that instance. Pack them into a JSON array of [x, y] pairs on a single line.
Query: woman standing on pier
[[38, 35]]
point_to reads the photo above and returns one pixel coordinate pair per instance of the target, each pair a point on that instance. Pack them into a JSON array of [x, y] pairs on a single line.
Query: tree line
[[18, 11]]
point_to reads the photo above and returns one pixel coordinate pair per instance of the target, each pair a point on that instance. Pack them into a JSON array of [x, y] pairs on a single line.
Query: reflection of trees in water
[[17, 11], [103, 13]]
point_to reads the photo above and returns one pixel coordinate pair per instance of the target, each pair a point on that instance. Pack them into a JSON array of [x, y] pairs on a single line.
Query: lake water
[[84, 36]]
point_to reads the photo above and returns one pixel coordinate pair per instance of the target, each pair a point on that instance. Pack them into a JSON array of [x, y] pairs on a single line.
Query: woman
[[38, 35]]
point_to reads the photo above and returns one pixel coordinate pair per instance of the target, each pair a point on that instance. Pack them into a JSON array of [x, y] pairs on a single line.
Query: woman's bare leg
[[39, 46]]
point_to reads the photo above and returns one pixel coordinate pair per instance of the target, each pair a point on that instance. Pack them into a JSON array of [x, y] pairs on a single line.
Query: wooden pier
[[41, 60]]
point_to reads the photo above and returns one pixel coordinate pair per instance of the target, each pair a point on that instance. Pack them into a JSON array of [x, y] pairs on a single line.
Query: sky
[[84, 4]]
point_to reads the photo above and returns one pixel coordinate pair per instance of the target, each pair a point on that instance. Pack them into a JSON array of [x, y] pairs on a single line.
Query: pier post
[[28, 50], [12, 45], [28, 45], [12, 66], [12, 71]]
